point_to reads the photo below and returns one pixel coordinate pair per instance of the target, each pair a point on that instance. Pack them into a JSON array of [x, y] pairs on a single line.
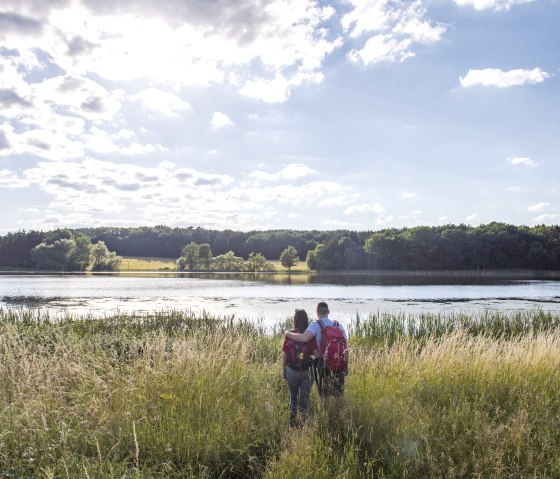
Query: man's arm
[[284, 364], [299, 337]]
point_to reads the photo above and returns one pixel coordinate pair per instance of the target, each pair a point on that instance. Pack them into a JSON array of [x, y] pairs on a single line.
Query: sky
[[268, 114]]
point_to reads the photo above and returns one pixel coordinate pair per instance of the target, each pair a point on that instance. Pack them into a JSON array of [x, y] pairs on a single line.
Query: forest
[[448, 247]]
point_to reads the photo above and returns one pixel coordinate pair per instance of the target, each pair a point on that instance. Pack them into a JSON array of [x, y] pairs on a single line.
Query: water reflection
[[272, 296]]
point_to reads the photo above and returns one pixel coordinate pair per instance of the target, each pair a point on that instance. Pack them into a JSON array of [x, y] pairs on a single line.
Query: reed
[[174, 394]]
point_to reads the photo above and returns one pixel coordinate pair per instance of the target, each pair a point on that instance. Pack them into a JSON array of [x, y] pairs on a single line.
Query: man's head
[[322, 309]]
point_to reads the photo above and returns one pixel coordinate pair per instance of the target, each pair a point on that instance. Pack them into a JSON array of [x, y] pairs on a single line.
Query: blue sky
[[261, 114]]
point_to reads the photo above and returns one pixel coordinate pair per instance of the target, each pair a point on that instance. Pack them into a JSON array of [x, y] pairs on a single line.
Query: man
[[328, 382]]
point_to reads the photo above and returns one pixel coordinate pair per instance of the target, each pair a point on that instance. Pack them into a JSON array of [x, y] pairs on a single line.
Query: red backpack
[[333, 347], [299, 354]]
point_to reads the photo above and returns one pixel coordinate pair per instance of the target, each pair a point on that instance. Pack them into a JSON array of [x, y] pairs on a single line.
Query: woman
[[296, 368]]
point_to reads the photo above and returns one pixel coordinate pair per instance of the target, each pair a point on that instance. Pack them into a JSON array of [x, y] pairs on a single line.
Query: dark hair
[[323, 308], [301, 321]]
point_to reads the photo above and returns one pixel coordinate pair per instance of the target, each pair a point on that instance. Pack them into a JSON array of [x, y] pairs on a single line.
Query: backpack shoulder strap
[[321, 325]]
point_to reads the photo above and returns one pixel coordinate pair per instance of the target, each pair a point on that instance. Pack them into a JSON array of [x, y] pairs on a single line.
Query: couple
[[316, 351]]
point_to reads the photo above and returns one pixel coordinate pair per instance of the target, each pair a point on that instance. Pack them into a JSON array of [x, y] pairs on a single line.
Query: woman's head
[[301, 321]]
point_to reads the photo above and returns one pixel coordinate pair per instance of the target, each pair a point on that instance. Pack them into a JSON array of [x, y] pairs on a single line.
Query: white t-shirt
[[315, 328]]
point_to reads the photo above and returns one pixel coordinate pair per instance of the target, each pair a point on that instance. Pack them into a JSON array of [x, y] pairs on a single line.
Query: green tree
[[61, 250], [80, 256], [204, 256], [228, 262], [104, 260], [256, 262], [190, 253], [289, 258]]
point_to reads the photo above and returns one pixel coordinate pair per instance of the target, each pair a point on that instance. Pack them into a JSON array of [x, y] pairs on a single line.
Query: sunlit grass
[[174, 394], [147, 264], [300, 266]]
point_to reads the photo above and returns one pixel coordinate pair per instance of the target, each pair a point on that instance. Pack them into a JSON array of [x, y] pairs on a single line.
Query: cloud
[[161, 101], [546, 218], [9, 179], [384, 220], [343, 224], [113, 187], [220, 120], [514, 189], [539, 207], [9, 98], [364, 208], [408, 195], [494, 77], [473, 217], [390, 29], [255, 46], [521, 161], [14, 23], [443, 218], [495, 4], [292, 171]]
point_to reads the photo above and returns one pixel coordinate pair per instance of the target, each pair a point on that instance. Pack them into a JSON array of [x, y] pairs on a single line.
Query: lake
[[271, 297]]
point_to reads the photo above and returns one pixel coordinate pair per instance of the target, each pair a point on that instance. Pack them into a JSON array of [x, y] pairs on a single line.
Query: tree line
[[59, 250], [491, 246]]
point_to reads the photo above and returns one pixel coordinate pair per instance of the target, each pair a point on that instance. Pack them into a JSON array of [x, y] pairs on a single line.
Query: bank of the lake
[[178, 395]]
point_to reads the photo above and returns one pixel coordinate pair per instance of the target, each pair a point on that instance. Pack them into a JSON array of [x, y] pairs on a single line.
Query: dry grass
[[299, 267], [172, 395], [147, 264]]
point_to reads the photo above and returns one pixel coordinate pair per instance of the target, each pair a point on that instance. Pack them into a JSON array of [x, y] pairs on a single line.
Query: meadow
[[130, 263], [177, 395]]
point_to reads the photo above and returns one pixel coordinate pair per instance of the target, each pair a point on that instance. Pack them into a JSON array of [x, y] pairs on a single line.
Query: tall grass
[[178, 395]]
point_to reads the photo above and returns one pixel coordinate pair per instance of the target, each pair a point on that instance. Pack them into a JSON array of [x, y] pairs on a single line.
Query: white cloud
[[9, 179], [473, 217], [408, 195], [290, 172], [166, 194], [539, 207], [384, 220], [391, 29], [443, 218], [546, 218], [515, 189], [364, 208], [494, 77], [220, 119], [495, 4], [521, 161], [244, 44], [161, 101], [342, 224]]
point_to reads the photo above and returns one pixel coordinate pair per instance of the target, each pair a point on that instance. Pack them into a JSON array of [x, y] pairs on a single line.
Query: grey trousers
[[299, 383]]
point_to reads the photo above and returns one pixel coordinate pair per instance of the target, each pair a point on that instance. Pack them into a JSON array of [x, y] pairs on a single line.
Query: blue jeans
[[299, 383]]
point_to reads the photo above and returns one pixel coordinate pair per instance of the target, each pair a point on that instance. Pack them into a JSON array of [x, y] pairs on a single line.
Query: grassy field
[[175, 395], [300, 266], [147, 264], [130, 263]]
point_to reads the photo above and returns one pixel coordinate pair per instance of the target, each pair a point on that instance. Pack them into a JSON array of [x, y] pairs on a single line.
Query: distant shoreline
[[455, 274]]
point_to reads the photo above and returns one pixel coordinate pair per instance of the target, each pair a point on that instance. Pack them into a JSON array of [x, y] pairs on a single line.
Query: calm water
[[269, 297]]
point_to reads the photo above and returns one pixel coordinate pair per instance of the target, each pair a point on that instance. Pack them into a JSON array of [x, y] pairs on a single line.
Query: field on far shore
[[132, 263]]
